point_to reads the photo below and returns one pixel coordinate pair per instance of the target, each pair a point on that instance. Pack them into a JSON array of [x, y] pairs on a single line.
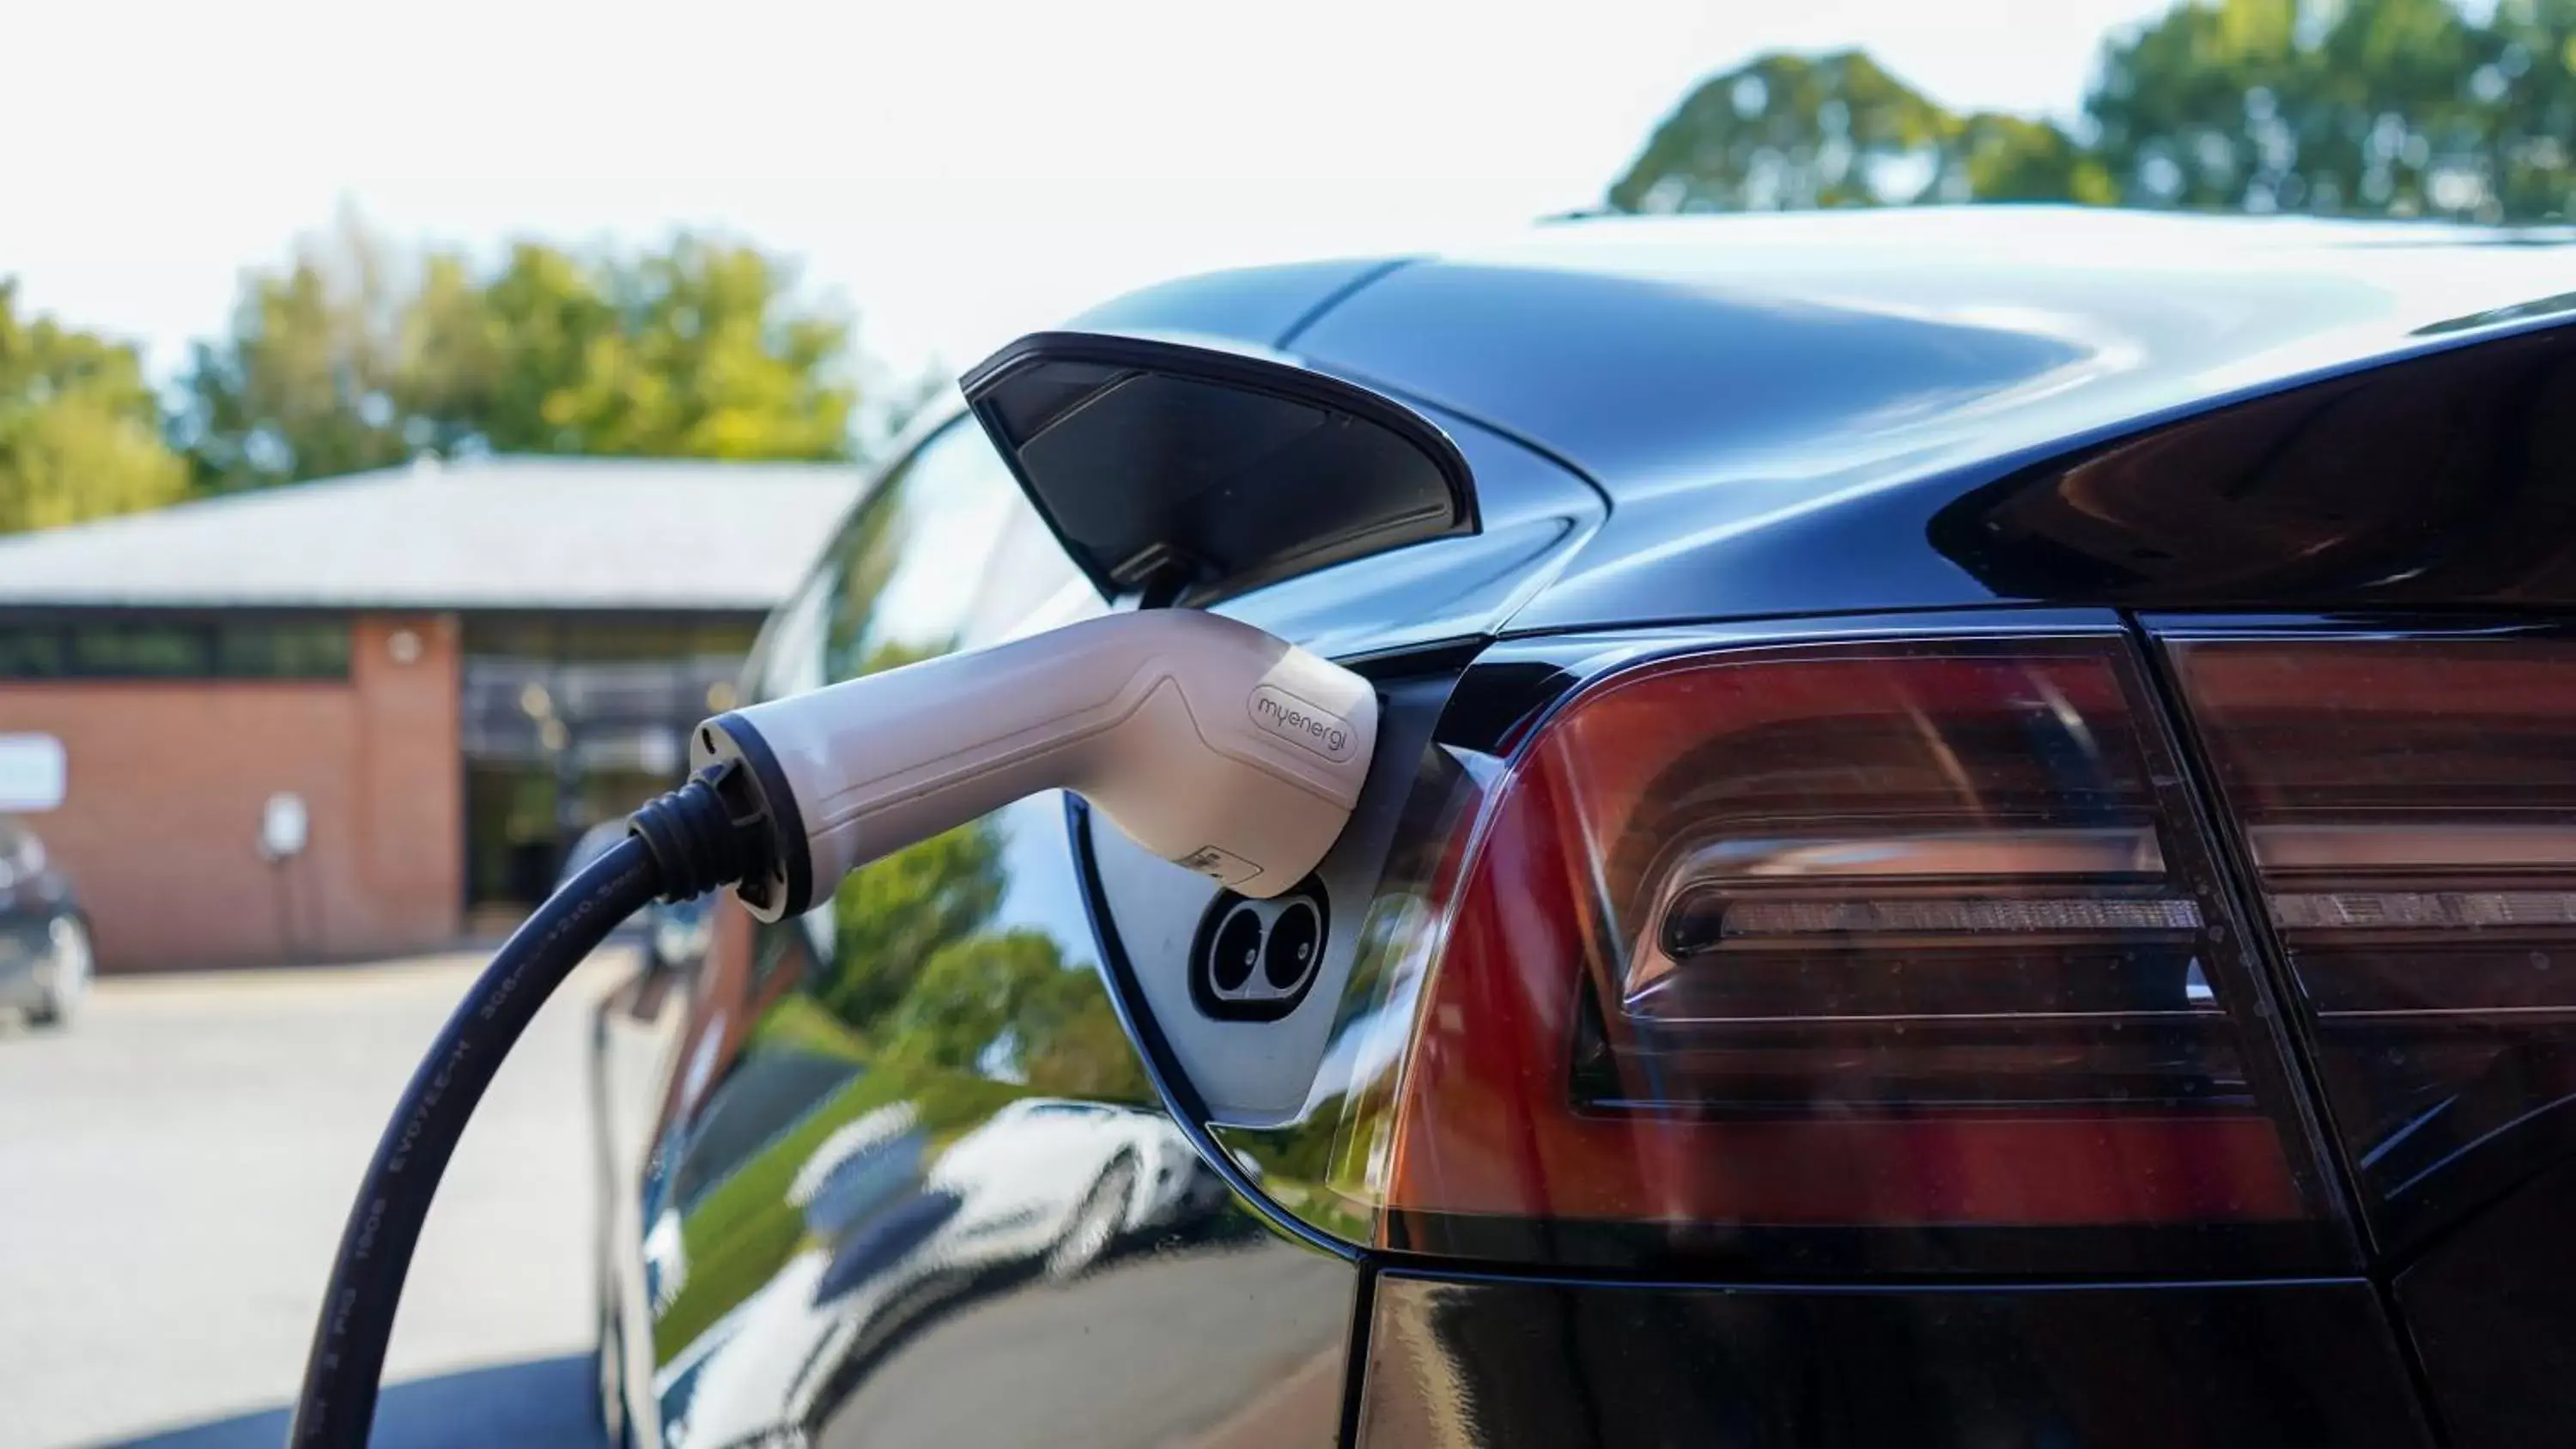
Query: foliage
[[356, 356], [1787, 132], [893, 915], [2337, 107], [943, 1010], [80, 433], [919, 968], [798, 1023], [974, 993]]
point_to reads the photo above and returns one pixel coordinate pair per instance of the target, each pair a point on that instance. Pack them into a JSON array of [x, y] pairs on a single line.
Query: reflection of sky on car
[[1365, 1046], [1038, 886], [950, 523]]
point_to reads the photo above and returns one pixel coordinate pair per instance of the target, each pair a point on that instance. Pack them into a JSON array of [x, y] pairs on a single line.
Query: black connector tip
[[778, 879], [699, 838]]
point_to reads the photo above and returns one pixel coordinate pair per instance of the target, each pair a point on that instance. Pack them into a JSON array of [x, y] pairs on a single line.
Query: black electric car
[[1973, 843]]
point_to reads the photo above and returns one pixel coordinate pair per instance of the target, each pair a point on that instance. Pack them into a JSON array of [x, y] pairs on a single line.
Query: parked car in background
[[45, 960], [1972, 841]]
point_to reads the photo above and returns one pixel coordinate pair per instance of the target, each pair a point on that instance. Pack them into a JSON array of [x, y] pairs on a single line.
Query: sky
[[955, 174]]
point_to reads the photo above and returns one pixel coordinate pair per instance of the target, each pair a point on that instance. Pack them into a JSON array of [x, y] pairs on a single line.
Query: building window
[[569, 723], [142, 651], [282, 651], [30, 653], [204, 647]]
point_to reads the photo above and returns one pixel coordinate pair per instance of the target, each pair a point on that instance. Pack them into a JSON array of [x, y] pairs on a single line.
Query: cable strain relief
[[698, 840]]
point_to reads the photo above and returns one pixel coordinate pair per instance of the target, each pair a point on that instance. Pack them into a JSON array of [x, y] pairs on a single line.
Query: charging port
[[1254, 960]]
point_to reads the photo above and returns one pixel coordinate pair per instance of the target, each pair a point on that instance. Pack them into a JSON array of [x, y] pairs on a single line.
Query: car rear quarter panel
[[911, 1183]]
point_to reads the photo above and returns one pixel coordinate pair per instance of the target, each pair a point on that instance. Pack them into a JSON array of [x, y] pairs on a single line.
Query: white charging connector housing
[[1206, 740]]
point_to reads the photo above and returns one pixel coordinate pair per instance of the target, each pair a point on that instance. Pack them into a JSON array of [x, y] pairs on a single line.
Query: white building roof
[[495, 533]]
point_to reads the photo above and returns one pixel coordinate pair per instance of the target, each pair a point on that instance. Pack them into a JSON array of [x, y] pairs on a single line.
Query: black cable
[[338, 1404], [708, 833]]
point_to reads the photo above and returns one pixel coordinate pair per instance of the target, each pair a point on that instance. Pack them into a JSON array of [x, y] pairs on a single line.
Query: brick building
[[451, 670]]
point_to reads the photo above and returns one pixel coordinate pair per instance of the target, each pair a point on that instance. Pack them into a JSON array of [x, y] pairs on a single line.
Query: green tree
[[1012, 993], [2336, 107], [310, 381], [893, 915], [357, 356], [920, 974], [2376, 107], [1790, 132], [2529, 55], [1995, 157], [696, 351], [80, 433]]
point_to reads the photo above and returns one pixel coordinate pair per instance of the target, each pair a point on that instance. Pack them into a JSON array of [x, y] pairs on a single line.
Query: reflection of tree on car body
[[925, 1166], [936, 1012], [916, 1097]]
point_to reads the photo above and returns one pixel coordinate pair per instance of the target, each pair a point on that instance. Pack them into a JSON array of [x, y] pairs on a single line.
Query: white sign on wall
[[282, 825], [32, 773]]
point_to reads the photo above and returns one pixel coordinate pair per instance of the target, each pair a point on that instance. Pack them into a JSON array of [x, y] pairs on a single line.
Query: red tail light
[[2410, 809], [1902, 954]]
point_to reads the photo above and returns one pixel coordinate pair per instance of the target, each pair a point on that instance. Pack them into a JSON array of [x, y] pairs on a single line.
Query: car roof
[[1642, 350], [1638, 347], [1732, 382]]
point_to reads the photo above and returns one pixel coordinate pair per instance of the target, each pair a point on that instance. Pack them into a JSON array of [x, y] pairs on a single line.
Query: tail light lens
[[2410, 809], [1867, 955]]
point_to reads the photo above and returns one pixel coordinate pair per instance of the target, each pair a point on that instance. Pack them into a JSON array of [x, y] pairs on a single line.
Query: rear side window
[[946, 554]]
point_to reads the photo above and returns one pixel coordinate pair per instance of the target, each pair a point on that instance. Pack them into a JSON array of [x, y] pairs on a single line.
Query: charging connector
[[1206, 740], [1210, 742]]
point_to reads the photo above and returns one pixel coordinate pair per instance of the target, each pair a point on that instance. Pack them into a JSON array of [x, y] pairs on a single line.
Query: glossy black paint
[[1267, 306], [1858, 412], [1788, 410], [2490, 1310], [1498, 1364]]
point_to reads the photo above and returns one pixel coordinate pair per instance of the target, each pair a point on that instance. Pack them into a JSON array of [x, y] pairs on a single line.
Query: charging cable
[[1222, 748], [686, 836]]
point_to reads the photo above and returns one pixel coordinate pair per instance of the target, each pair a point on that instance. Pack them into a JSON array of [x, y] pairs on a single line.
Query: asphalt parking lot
[[173, 1170]]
